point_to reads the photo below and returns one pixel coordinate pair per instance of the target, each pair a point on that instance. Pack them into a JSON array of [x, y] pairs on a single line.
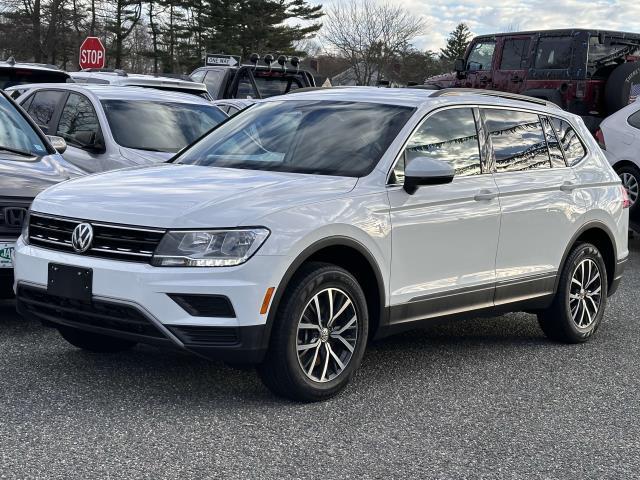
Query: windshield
[[16, 133], [158, 126], [320, 137]]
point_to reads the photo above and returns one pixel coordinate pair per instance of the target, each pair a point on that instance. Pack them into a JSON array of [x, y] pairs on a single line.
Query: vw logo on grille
[[14, 216], [82, 237]]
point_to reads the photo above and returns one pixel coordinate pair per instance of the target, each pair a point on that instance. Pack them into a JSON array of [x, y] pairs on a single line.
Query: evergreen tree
[[456, 43]]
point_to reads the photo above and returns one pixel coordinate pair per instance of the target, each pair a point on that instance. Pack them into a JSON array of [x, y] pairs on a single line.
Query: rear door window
[[573, 148], [43, 106], [553, 53], [518, 140], [555, 150], [514, 54]]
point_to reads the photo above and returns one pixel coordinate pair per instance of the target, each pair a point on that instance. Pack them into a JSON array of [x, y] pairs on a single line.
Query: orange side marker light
[[267, 300]]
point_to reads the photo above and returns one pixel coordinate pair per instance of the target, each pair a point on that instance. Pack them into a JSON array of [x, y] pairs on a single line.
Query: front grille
[[206, 336], [12, 213], [134, 244], [97, 313]]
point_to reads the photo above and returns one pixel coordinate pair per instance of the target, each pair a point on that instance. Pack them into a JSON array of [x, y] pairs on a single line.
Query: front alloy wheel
[[327, 335], [319, 334]]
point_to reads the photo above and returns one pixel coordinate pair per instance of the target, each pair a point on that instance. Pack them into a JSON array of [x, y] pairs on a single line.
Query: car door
[[512, 68], [43, 106], [444, 237], [539, 201], [79, 125]]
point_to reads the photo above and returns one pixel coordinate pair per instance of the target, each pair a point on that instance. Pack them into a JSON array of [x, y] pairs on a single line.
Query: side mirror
[[459, 65], [58, 143], [426, 171]]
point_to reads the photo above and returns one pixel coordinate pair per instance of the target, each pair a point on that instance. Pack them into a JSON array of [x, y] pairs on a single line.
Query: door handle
[[568, 187], [516, 79], [485, 195], [485, 79]]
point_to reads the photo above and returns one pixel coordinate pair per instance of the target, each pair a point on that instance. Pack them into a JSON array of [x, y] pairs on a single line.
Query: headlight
[[25, 228], [209, 248]]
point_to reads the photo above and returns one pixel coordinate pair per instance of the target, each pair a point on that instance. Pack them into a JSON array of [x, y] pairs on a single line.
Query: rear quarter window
[[574, 149], [634, 120]]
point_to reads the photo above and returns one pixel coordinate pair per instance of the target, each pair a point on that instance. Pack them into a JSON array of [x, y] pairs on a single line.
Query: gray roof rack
[[492, 93]]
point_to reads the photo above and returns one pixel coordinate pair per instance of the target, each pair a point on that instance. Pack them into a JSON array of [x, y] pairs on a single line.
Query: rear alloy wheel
[[579, 304], [319, 334]]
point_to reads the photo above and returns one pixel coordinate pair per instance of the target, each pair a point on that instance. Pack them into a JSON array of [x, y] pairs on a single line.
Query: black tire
[[634, 172], [557, 321], [282, 371], [618, 87], [94, 342]]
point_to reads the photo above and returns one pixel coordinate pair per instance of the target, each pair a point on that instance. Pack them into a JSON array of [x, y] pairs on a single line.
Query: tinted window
[[78, 123], [572, 146], [159, 126], [16, 133], [609, 54], [450, 136], [326, 138], [213, 81], [232, 110], [514, 54], [553, 52], [518, 140], [43, 106], [555, 152], [18, 76], [269, 86], [634, 120], [481, 56]]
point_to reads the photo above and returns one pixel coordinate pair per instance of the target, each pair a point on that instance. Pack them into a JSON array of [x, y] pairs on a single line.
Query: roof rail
[[117, 71], [492, 93]]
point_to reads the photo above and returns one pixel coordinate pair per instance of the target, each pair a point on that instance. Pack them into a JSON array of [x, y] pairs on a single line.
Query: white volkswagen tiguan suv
[[307, 224]]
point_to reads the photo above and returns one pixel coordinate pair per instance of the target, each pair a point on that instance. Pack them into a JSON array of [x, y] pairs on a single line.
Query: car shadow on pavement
[[166, 377]]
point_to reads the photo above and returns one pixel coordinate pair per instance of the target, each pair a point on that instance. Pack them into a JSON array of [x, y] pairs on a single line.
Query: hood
[[186, 196], [144, 157], [27, 178]]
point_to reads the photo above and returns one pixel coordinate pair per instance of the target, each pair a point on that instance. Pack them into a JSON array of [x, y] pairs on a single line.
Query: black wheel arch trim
[[592, 224], [333, 241]]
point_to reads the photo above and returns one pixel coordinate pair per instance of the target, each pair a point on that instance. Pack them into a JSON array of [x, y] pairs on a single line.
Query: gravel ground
[[487, 398]]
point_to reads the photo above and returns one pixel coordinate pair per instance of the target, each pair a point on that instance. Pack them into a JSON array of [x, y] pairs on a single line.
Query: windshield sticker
[[40, 148]]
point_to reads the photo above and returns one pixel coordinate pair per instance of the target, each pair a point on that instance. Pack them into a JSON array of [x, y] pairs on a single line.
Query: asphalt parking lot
[[488, 398]]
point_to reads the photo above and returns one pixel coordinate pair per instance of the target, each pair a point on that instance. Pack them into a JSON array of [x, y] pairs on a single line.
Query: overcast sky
[[487, 16]]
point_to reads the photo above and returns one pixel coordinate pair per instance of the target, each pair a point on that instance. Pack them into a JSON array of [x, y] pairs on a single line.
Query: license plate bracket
[[70, 282]]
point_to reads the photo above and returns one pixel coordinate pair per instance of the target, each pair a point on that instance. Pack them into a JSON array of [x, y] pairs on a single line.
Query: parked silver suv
[[109, 127]]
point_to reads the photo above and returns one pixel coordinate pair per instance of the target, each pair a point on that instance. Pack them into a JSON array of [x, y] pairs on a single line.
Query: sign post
[[215, 60], [92, 53]]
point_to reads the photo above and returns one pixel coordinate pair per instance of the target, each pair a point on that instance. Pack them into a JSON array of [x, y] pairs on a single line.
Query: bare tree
[[369, 35]]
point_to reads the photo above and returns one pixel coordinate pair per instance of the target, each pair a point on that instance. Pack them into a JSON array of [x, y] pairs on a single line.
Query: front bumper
[[131, 300]]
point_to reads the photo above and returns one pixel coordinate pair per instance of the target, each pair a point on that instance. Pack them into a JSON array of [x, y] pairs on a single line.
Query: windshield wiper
[[17, 151]]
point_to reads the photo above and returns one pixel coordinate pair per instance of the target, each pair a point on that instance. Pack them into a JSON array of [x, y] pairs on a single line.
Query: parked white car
[[109, 127], [309, 223], [619, 137]]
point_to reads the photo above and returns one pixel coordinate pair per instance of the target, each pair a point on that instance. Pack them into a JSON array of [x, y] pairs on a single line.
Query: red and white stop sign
[[92, 53]]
